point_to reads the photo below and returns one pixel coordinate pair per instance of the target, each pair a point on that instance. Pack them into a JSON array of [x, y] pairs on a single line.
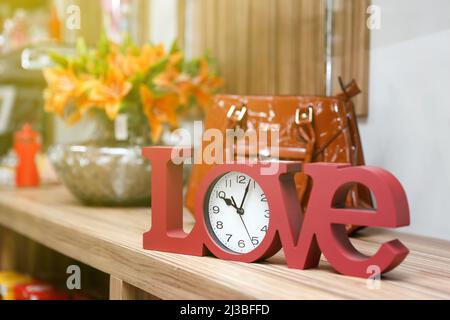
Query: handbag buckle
[[239, 114], [302, 116]]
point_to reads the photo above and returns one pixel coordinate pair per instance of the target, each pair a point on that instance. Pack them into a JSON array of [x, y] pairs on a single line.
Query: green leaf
[[127, 43], [101, 68], [81, 47], [213, 65], [156, 69], [191, 67], [174, 48], [103, 45], [78, 66], [59, 59]]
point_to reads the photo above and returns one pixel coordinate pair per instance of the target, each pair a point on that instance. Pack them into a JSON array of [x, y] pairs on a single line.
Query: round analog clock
[[236, 213]]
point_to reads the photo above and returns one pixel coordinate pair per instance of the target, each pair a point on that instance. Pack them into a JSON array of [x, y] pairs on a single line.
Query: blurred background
[[398, 51]]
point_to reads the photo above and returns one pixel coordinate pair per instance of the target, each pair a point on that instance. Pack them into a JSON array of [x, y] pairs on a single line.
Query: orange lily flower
[[167, 78], [63, 85], [94, 80], [64, 88], [111, 92], [149, 56], [159, 111], [204, 85], [171, 79], [132, 63]]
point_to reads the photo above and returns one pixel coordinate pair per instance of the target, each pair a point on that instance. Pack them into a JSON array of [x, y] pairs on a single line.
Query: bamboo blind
[[279, 46]]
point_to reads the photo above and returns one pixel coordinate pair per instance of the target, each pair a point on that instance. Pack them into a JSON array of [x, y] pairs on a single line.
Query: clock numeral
[[229, 237], [241, 244], [263, 198], [264, 229], [219, 225], [221, 194], [228, 183], [255, 241], [267, 214], [240, 179], [216, 209]]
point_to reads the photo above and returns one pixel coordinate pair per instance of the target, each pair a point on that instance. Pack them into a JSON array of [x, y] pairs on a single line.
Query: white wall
[[408, 128]]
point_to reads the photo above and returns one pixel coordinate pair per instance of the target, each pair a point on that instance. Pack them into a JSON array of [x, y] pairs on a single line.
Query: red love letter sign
[[303, 237], [325, 219]]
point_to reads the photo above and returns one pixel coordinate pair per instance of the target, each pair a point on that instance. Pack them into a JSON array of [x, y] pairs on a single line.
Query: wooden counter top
[[110, 240]]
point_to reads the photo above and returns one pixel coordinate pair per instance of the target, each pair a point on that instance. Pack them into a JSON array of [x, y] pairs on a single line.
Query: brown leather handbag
[[311, 129]]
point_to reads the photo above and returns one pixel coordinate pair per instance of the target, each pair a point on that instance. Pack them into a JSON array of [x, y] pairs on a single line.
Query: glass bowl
[[104, 176]]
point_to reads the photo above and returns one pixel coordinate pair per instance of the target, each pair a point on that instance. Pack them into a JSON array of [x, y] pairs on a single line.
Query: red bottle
[[26, 145]]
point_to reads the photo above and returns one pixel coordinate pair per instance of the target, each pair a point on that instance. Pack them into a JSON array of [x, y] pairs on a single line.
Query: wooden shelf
[[111, 240]]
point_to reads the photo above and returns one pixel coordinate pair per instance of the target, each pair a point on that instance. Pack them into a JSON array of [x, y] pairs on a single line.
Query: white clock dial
[[237, 212]]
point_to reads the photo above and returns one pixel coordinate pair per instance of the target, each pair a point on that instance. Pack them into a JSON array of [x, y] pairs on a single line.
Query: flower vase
[[107, 171]]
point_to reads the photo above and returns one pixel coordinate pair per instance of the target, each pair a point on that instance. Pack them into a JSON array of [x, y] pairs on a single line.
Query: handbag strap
[[349, 90], [304, 119]]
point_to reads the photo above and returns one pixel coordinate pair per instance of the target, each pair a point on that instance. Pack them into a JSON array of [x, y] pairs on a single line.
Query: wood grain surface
[[111, 240]]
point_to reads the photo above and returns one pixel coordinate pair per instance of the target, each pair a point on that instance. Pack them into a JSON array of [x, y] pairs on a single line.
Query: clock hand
[[248, 233], [229, 202], [241, 212], [234, 202], [245, 194]]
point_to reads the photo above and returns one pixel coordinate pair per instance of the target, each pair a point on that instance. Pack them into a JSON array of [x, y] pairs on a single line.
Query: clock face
[[237, 212]]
